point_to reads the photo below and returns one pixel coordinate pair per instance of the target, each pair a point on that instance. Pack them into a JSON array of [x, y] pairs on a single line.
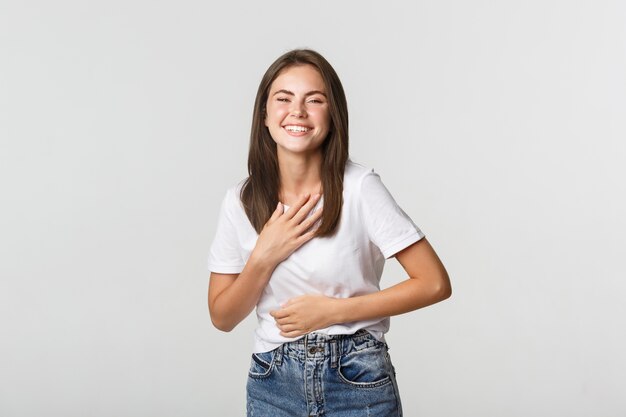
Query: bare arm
[[428, 283], [233, 296]]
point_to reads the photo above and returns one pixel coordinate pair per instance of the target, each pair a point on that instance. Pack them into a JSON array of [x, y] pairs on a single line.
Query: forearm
[[428, 284], [235, 302], [406, 296]]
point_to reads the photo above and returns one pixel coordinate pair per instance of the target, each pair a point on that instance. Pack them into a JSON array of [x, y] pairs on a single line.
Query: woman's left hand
[[305, 314]]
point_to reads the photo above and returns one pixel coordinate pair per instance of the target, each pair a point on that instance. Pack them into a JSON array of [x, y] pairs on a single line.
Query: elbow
[[443, 290], [445, 293], [219, 321], [221, 325], [446, 289], [225, 329]]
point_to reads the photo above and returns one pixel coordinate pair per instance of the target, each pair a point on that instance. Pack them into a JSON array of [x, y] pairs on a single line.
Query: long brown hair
[[259, 193]]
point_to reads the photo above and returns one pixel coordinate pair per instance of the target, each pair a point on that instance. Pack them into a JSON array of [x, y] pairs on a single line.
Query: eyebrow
[[310, 93]]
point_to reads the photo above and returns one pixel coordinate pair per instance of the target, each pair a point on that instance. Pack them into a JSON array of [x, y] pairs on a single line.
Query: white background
[[499, 127]]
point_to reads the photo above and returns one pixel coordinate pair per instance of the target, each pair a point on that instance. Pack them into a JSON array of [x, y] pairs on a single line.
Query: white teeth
[[297, 128]]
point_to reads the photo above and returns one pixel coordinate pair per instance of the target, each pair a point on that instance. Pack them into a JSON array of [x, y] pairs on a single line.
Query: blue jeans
[[321, 375]]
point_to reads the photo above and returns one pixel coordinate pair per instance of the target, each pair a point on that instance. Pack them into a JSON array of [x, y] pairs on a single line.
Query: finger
[[294, 209], [276, 214], [285, 320], [310, 221], [288, 328], [304, 211], [303, 238], [309, 233], [278, 314], [294, 333], [304, 204]]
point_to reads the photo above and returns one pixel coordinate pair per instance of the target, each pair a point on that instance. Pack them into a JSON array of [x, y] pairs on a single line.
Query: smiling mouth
[[297, 129]]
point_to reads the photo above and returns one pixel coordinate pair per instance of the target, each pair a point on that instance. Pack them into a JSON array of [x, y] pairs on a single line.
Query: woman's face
[[297, 110]]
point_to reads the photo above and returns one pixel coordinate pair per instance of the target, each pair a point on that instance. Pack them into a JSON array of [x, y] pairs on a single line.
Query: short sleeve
[[225, 253], [388, 226]]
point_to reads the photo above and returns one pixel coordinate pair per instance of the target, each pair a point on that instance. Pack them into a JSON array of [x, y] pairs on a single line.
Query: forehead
[[299, 77]]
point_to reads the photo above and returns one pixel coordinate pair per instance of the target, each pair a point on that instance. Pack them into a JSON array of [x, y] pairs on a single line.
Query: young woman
[[304, 238]]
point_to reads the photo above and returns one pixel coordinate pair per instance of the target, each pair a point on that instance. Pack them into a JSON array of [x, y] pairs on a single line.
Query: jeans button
[[312, 350]]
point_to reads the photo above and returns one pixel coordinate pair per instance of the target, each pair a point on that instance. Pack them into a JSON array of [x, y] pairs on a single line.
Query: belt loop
[[334, 357], [279, 355]]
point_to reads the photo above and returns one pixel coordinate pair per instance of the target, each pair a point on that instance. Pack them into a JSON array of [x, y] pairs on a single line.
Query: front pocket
[[262, 364], [366, 368]]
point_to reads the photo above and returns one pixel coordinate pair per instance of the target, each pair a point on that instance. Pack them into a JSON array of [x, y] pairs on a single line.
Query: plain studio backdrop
[[499, 127]]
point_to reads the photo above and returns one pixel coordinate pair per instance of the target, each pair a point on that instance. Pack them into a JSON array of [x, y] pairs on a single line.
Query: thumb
[[277, 212]]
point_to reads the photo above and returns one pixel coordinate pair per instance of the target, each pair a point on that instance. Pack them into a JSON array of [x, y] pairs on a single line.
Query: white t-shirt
[[372, 228]]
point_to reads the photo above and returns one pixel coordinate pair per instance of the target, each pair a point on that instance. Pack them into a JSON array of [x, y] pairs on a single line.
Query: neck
[[299, 174]]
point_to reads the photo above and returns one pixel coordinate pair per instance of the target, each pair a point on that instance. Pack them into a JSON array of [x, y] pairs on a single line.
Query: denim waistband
[[318, 346]]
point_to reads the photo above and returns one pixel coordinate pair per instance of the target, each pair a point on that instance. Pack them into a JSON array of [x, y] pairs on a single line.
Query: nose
[[298, 110]]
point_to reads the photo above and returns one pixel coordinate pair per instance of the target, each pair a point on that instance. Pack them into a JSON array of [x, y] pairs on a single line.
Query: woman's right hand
[[285, 232]]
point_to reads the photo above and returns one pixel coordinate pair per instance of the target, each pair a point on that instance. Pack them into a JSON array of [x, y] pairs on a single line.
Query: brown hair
[[259, 193]]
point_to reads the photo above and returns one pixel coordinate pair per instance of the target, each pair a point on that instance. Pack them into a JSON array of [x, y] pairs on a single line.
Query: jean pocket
[[365, 368], [262, 364]]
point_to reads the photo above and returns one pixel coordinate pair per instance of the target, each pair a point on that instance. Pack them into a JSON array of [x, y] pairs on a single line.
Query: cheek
[[275, 114], [323, 118]]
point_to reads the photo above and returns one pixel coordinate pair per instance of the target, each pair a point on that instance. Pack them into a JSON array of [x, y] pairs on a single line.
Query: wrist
[[262, 262], [341, 308]]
